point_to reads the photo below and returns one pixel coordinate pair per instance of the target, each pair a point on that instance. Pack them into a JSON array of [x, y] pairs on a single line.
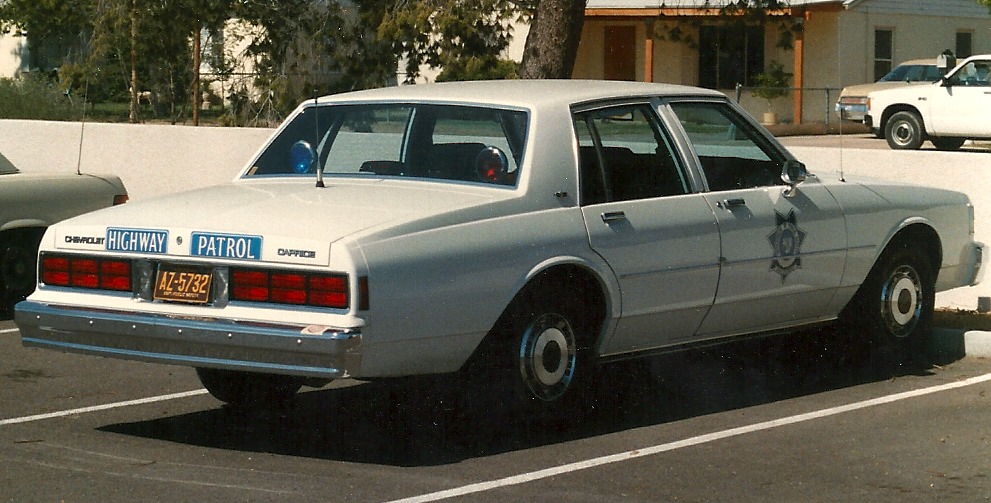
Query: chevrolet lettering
[[226, 246], [84, 240], [137, 240], [516, 235]]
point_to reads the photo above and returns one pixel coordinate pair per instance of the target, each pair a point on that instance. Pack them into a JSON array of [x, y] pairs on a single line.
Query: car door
[[643, 217], [783, 249], [962, 105]]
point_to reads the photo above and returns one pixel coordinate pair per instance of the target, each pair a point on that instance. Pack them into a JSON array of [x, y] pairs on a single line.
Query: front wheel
[[904, 131], [249, 389], [895, 305]]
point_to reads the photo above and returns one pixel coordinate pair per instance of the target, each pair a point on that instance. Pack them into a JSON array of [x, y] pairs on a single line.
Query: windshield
[[913, 73], [431, 141]]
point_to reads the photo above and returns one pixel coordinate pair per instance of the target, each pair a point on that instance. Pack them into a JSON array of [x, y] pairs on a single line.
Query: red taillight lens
[[120, 199], [86, 272], [295, 288]]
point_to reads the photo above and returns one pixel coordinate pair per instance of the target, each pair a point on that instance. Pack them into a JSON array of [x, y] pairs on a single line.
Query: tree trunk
[[552, 44], [134, 62], [197, 35]]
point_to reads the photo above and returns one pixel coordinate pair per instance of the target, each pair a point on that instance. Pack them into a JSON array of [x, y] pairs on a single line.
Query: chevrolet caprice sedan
[[520, 233]]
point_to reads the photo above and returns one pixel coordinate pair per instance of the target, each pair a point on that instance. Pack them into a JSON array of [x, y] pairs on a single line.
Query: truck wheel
[[249, 389], [18, 267], [904, 131], [895, 305], [948, 143]]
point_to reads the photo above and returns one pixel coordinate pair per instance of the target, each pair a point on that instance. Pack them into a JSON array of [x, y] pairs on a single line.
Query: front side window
[[429, 141], [974, 74], [732, 153], [624, 154]]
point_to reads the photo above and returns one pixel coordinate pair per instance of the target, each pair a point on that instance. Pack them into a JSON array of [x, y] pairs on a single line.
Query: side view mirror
[[302, 157], [794, 172]]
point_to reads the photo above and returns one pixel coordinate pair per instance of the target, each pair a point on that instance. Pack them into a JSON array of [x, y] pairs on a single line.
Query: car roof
[[522, 93]]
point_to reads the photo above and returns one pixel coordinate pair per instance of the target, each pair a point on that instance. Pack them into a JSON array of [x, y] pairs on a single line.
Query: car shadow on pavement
[[421, 421]]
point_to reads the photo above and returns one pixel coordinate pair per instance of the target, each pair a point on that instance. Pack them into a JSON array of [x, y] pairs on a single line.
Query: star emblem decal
[[786, 242]]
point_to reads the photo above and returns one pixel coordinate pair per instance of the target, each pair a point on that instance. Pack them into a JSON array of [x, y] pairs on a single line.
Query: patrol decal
[[137, 240], [786, 241], [232, 246]]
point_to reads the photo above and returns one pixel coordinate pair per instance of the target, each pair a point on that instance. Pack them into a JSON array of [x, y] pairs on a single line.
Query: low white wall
[[151, 159]]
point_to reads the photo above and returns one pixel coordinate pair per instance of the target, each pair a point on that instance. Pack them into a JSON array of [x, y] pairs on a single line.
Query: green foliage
[[490, 68], [34, 97], [772, 83]]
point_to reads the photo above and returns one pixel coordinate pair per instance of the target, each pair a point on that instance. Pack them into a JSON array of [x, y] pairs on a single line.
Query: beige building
[[834, 43]]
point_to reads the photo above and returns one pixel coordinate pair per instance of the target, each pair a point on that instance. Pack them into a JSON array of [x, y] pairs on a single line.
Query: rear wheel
[[537, 360], [18, 267], [904, 131], [947, 143], [249, 389]]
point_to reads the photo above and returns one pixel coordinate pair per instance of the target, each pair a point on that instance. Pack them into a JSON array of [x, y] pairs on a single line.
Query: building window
[[965, 44], [883, 52], [730, 55]]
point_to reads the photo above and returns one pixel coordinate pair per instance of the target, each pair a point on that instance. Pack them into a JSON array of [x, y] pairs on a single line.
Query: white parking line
[[688, 442], [8, 331], [96, 408]]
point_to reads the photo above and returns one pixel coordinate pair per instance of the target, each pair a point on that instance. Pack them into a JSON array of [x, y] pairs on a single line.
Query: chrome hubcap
[[903, 133], [548, 357], [901, 301]]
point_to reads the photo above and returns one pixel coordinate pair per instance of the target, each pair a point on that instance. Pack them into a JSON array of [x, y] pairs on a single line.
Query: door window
[[733, 154], [624, 155]]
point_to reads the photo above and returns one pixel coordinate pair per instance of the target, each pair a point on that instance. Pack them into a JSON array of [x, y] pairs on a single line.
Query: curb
[[977, 343]]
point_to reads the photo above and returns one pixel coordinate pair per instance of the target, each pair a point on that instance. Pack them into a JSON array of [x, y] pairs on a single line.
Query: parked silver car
[[29, 204], [518, 233]]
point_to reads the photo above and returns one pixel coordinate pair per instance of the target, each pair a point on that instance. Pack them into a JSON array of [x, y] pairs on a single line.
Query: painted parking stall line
[[97, 408], [680, 444], [8, 331]]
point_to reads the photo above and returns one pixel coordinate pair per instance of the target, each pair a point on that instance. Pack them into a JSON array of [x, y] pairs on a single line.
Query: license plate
[[178, 283]]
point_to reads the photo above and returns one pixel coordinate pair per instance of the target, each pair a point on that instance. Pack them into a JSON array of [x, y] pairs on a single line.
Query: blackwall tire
[[249, 390], [948, 143], [18, 268], [904, 131], [895, 306]]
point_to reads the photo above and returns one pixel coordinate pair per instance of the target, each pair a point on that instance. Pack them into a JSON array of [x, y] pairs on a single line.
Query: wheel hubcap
[[548, 356], [901, 301], [903, 133]]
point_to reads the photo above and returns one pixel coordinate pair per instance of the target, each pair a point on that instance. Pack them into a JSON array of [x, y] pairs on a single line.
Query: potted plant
[[772, 84]]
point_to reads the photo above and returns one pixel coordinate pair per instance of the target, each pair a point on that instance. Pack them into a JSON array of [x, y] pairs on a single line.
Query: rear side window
[[624, 154]]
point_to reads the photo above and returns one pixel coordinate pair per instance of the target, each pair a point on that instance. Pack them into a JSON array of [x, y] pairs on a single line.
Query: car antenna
[[316, 138], [82, 131]]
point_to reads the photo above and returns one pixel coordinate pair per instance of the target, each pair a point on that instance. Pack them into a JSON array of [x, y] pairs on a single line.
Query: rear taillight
[[120, 199], [289, 287], [86, 272]]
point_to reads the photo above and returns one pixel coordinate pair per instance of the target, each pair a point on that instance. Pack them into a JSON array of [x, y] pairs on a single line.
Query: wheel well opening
[[581, 287], [920, 235], [892, 110]]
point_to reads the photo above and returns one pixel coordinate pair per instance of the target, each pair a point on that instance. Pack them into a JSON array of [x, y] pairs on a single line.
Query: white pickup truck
[[29, 203], [948, 112]]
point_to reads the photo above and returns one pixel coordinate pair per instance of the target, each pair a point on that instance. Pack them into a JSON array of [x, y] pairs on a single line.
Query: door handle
[[613, 216], [731, 203]]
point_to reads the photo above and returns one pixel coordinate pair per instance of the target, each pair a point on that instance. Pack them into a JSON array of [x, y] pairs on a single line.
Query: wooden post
[[799, 80], [648, 51]]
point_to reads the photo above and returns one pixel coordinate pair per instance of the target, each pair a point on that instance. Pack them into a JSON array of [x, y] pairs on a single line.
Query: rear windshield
[[429, 141]]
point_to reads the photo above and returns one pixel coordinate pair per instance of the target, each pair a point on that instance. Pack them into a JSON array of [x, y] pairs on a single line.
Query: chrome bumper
[[225, 344]]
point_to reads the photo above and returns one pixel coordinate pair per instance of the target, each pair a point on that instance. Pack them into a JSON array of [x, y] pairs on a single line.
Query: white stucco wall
[[10, 55]]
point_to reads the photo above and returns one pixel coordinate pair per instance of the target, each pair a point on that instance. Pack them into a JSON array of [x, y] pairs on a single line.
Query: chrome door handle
[[613, 216], [731, 203]]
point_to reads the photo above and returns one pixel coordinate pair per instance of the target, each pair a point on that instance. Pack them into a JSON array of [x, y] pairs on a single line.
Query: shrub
[[34, 96]]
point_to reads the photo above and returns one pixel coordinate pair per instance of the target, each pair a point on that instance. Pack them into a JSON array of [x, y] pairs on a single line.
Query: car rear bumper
[[276, 349]]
